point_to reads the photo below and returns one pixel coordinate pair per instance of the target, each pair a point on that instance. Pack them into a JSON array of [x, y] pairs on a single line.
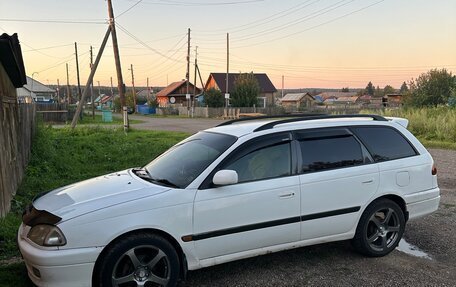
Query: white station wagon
[[241, 189]]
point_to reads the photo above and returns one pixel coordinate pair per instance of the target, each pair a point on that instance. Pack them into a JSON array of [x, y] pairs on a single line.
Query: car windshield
[[184, 162]]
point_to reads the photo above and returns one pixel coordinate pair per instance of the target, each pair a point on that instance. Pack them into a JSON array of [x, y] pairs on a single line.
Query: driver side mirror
[[225, 177]]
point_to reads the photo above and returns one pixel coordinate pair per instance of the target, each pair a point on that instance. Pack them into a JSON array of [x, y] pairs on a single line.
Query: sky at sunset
[[314, 43]]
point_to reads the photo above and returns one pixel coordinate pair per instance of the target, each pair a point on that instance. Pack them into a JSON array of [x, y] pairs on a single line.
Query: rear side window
[[384, 143], [330, 152]]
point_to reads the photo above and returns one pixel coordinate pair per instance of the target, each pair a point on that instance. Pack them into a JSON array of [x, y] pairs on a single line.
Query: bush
[[214, 98]]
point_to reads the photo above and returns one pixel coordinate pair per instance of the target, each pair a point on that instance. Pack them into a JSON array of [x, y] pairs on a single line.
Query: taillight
[[434, 169]]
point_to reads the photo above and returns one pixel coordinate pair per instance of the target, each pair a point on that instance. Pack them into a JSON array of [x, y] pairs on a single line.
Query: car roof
[[243, 128]]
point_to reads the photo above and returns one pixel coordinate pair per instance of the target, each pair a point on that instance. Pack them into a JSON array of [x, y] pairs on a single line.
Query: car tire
[[141, 259], [380, 228]]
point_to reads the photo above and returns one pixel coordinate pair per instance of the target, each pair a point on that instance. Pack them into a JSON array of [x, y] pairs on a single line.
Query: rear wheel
[[380, 228], [140, 260]]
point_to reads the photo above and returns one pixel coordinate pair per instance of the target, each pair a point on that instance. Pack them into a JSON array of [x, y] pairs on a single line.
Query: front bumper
[[57, 267]]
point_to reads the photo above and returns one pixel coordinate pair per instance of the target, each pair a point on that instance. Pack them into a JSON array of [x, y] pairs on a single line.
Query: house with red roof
[[175, 93]]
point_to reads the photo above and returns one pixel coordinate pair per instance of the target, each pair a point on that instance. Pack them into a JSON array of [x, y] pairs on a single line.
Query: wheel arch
[[396, 199], [165, 235]]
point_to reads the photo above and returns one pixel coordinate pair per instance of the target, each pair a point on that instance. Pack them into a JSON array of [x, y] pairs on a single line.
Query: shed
[[298, 100]]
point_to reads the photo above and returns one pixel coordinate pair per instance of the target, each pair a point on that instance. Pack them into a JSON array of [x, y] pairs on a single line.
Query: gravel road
[[337, 264]]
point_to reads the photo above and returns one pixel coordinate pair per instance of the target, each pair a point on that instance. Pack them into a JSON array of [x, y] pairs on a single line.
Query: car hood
[[97, 193]]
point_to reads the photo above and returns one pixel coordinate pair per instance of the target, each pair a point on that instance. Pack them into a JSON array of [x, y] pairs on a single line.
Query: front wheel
[[380, 228], [139, 260]]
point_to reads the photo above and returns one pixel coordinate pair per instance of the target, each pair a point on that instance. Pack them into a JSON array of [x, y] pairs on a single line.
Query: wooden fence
[[54, 112], [17, 126]]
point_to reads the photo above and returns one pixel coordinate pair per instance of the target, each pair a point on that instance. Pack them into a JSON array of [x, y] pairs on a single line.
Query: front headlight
[[46, 235]]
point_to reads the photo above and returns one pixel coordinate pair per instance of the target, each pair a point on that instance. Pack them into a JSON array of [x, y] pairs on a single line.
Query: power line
[[131, 7], [46, 48], [52, 21], [267, 19], [143, 43], [312, 27], [305, 18], [186, 3]]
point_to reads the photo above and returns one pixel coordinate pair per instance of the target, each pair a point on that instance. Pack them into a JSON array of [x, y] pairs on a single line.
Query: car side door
[[261, 210], [338, 177]]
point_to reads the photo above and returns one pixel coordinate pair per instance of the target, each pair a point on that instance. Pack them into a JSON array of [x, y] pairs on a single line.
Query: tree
[[432, 88], [404, 88], [370, 89], [214, 98], [345, 90], [388, 90], [378, 92], [246, 91]]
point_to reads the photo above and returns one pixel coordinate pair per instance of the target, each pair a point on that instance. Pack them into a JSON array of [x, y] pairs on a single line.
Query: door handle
[[287, 195], [368, 181]]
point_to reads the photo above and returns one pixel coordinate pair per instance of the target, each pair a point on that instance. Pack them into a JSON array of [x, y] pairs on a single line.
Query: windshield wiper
[[144, 174], [165, 182]]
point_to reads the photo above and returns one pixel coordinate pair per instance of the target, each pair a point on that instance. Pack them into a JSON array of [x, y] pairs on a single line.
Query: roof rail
[[268, 117], [270, 125]]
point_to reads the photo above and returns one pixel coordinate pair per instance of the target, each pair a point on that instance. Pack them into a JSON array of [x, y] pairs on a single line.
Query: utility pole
[[91, 84], [148, 90], [133, 84], [77, 70], [196, 64], [282, 84], [187, 76], [115, 46], [90, 79], [227, 93], [99, 89], [58, 91], [112, 91], [68, 86]]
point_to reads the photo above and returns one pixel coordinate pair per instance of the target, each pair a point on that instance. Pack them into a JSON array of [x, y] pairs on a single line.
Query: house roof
[[105, 99], [293, 97], [265, 83], [11, 59], [351, 99], [327, 95], [34, 86], [169, 90]]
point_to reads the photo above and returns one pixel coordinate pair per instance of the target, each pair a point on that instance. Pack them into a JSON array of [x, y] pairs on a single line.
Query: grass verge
[[63, 156]]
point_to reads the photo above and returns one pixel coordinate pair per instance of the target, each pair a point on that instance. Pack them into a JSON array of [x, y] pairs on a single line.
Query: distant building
[[35, 91], [297, 100], [175, 93], [267, 89], [393, 100], [334, 95], [346, 100]]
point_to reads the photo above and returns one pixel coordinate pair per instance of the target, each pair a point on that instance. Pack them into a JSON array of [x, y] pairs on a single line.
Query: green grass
[[63, 156], [14, 275], [88, 120], [434, 127]]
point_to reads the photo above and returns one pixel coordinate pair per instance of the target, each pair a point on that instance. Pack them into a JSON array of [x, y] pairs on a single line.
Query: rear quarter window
[[384, 143]]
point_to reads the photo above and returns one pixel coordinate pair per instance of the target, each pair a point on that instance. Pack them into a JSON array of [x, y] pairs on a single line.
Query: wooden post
[[133, 84], [90, 79], [115, 47], [68, 86], [77, 70]]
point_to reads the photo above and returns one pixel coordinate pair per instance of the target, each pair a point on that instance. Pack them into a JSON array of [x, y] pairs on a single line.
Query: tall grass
[[435, 127]]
